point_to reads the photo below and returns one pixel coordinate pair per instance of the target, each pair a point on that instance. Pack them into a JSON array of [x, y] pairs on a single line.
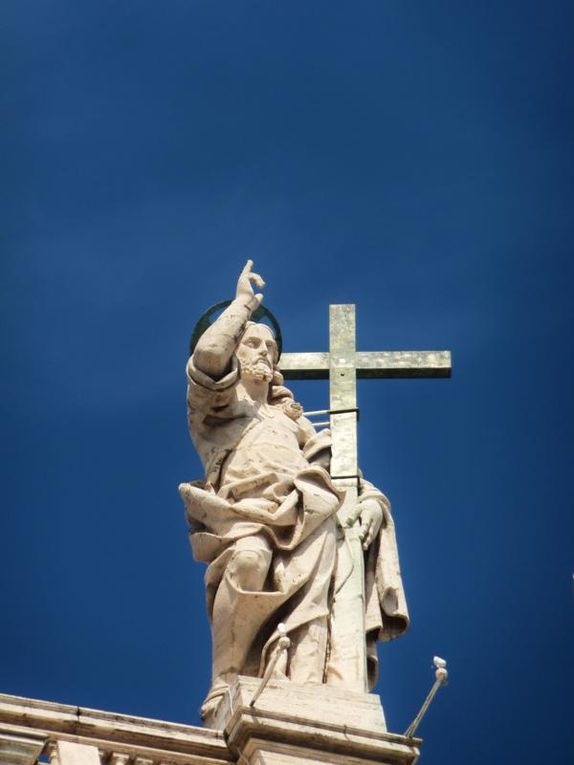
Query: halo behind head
[[260, 314]]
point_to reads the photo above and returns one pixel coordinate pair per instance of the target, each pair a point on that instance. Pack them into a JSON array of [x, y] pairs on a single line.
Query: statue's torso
[[269, 447]]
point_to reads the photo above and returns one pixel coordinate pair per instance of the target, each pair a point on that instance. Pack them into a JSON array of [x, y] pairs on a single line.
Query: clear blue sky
[[414, 158]]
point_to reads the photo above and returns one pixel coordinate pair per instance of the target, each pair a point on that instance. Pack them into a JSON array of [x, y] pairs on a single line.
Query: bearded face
[[257, 353], [257, 370]]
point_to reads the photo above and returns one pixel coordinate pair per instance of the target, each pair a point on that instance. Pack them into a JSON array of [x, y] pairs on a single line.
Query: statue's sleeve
[[206, 395], [211, 411], [203, 389], [386, 609]]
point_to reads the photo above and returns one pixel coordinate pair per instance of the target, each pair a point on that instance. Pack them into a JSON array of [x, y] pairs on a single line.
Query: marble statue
[[267, 517]]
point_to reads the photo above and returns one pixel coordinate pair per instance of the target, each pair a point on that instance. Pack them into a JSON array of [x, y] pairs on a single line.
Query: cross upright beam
[[349, 646], [342, 365], [343, 391]]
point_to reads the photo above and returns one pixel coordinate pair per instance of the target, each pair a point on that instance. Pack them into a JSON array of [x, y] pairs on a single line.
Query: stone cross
[[342, 365]]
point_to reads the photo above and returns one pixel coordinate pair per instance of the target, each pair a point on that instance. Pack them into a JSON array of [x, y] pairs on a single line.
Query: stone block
[[317, 725]]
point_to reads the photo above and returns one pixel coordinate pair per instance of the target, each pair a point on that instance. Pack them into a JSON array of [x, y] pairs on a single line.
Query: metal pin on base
[[441, 677], [283, 645]]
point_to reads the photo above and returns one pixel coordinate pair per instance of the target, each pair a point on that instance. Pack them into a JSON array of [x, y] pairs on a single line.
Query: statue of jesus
[[266, 520]]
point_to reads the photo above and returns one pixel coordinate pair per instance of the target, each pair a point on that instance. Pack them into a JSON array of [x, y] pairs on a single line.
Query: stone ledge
[[20, 749], [285, 727], [249, 732], [157, 739]]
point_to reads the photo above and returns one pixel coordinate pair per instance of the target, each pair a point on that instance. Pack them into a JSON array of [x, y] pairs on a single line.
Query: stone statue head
[[257, 352], [259, 358]]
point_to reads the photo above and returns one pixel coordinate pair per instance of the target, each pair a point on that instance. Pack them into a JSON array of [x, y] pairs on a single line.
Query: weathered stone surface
[[20, 749], [370, 364], [72, 753], [290, 725], [110, 733], [330, 705]]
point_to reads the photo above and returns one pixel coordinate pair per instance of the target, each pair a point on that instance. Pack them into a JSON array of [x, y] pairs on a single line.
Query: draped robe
[[261, 480]]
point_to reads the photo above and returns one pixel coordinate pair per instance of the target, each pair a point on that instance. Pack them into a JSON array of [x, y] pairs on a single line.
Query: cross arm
[[304, 366], [370, 364]]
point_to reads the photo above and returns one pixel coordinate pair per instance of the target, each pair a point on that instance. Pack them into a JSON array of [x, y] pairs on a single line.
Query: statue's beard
[[257, 370]]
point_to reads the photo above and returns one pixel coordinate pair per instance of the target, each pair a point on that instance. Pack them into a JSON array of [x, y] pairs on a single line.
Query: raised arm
[[216, 346]]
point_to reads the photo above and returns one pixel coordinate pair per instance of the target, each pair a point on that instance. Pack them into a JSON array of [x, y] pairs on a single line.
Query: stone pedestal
[[293, 725]]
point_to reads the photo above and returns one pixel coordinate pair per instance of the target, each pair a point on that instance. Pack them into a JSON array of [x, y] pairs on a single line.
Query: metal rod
[[441, 676], [345, 411], [333, 411], [282, 646]]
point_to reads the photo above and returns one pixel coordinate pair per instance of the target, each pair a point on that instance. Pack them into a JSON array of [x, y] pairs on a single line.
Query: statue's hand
[[245, 293], [370, 514]]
